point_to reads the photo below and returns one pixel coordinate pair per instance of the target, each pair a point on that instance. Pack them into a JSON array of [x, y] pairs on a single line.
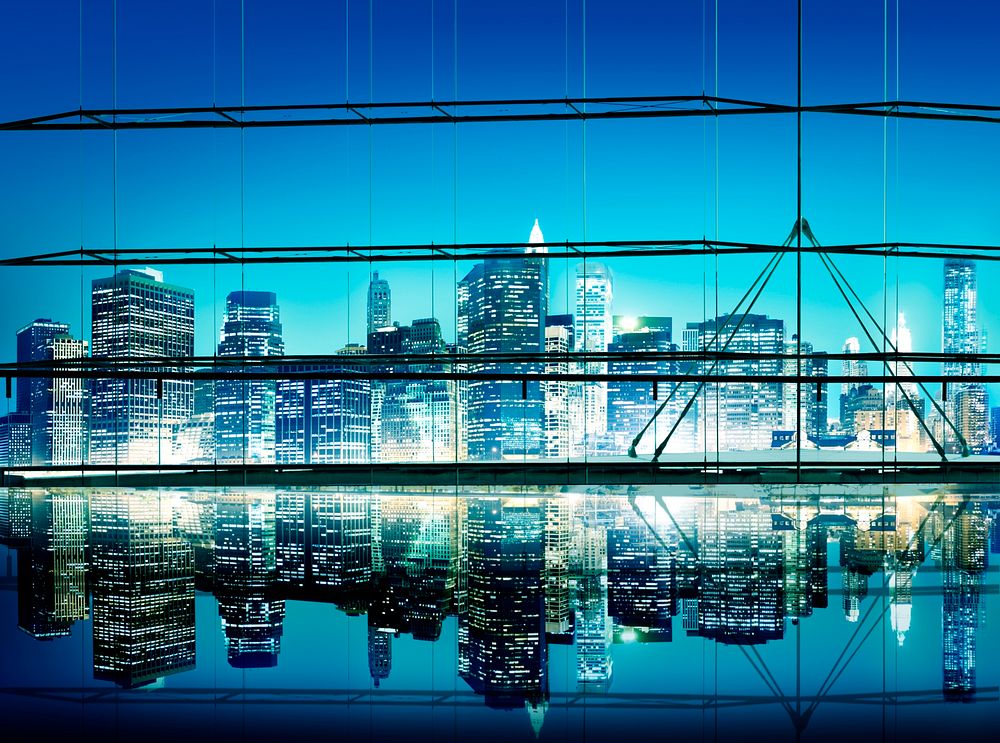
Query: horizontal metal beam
[[476, 251], [475, 111], [697, 468], [463, 358], [268, 374]]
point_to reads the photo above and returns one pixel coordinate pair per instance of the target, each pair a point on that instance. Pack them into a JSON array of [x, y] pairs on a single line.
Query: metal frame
[[476, 111]]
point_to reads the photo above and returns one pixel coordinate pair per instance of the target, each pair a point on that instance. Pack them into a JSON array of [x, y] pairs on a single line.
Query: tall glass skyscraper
[[379, 304], [244, 409], [502, 304], [593, 333], [968, 404], [742, 415], [135, 314]]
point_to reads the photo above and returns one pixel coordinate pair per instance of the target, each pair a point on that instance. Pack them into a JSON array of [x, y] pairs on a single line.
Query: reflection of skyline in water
[[520, 573]]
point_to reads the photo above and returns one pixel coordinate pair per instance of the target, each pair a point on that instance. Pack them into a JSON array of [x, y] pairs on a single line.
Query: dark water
[[334, 614]]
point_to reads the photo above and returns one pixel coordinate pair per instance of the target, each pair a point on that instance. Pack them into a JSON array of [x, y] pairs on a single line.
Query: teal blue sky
[[731, 178]]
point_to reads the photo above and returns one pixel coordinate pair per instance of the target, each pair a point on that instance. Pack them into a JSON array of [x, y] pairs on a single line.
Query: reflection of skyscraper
[[741, 597], [558, 543], [593, 626], [641, 582], [52, 568], [135, 314], [505, 622], [502, 305], [244, 409], [379, 655], [245, 578], [341, 540], [963, 561], [143, 591], [420, 554]]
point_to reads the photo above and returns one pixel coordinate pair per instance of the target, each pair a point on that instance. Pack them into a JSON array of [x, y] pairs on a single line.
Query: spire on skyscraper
[[535, 238]]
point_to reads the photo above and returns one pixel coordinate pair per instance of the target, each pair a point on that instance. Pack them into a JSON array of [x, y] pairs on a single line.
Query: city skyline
[[503, 308]]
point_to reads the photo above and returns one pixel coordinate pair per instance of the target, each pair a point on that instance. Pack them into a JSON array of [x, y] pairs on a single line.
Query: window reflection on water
[[698, 609]]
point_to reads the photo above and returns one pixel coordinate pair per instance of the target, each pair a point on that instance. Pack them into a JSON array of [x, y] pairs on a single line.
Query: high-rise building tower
[[850, 368], [32, 340], [502, 305], [631, 404], [56, 406], [416, 420], [135, 314], [968, 402], [814, 407], [593, 333], [244, 409], [556, 392], [379, 304], [742, 415]]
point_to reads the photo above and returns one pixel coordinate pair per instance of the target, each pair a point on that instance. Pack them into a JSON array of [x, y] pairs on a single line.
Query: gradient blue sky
[[683, 178]]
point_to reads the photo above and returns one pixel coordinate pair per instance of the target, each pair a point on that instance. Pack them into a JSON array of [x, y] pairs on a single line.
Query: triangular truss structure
[[726, 332]]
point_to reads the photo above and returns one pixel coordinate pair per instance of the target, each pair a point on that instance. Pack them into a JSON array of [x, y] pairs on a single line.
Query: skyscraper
[[418, 420], [594, 293], [814, 407], [244, 409], [742, 415], [379, 303], [322, 421], [967, 400], [502, 305], [135, 314], [15, 440], [630, 404], [556, 392], [850, 368], [32, 341]]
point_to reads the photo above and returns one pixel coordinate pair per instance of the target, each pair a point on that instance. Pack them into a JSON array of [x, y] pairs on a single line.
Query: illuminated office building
[[142, 591], [57, 406], [630, 405], [556, 392], [594, 292], [741, 415], [245, 408], [854, 368], [322, 421], [135, 314], [967, 400], [417, 420], [502, 306], [15, 440], [814, 408], [379, 303]]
